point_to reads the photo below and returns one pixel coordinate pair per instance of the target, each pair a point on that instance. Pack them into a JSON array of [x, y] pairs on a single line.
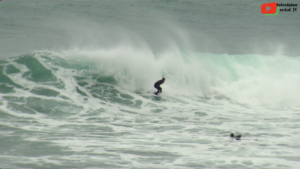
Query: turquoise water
[[76, 84]]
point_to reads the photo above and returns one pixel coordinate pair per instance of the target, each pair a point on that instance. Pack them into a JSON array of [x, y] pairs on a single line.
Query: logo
[[269, 8]]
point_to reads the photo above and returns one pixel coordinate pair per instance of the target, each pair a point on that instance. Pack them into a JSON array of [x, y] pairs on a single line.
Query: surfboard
[[156, 95]]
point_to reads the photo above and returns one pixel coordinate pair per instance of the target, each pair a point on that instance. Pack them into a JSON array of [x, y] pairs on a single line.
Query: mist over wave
[[243, 78]]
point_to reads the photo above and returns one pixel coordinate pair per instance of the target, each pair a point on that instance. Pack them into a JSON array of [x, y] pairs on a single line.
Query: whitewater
[[80, 94]]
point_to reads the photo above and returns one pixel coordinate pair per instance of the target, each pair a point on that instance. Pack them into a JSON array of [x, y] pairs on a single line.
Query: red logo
[[269, 8]]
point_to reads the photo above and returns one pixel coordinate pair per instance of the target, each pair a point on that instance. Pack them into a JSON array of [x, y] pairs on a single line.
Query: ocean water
[[76, 85]]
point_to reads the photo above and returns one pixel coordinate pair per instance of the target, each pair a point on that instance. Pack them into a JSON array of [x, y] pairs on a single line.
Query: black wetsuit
[[157, 86]]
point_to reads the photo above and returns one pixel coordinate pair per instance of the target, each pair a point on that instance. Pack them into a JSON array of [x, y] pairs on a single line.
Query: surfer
[[157, 85], [238, 137]]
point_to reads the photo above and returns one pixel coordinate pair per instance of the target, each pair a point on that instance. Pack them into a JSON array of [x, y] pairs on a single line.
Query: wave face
[[96, 109]]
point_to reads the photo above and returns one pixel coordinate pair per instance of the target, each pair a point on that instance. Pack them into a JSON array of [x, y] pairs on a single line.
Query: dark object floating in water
[[238, 137]]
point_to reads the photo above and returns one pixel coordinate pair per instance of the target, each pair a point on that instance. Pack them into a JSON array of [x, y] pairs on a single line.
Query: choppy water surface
[[57, 115]]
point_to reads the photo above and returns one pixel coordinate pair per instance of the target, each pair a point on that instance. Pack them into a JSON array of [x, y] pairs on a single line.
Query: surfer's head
[[163, 79], [237, 137]]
